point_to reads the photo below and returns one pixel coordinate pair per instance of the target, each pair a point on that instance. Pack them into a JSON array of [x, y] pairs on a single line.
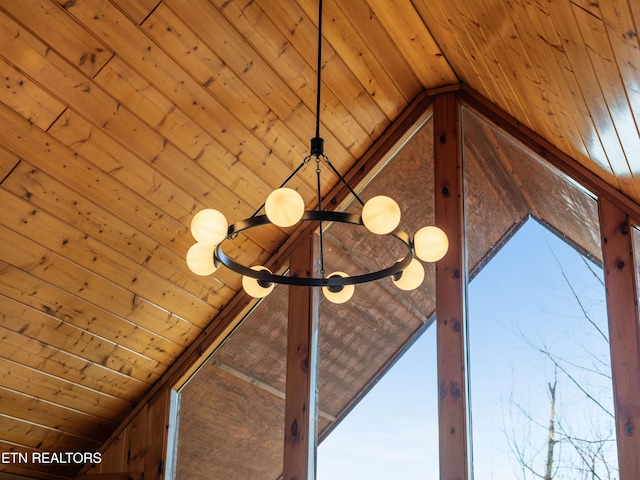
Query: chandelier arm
[[288, 179], [342, 179], [312, 215], [320, 222]]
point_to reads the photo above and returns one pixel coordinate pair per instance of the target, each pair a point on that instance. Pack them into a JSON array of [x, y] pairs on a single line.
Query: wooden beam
[[157, 434], [301, 417], [624, 332], [450, 291]]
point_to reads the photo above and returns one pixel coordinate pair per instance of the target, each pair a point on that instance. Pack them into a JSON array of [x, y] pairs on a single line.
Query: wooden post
[[301, 418], [624, 337], [451, 292]]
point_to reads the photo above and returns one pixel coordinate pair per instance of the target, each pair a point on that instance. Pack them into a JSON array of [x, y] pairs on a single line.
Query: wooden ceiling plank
[[164, 177], [287, 49], [379, 42], [76, 133], [345, 139], [598, 40], [137, 10], [132, 355], [27, 98], [624, 133], [33, 436], [281, 28], [132, 91], [459, 49], [235, 91], [55, 27], [59, 363], [46, 413], [285, 110], [620, 18], [450, 40], [273, 163], [555, 70], [566, 24], [521, 77], [266, 118], [102, 109], [179, 199], [634, 8], [486, 40], [414, 41], [143, 180], [91, 219], [545, 54], [45, 152], [57, 160], [343, 37], [67, 336], [38, 384], [8, 162], [139, 363], [86, 252]]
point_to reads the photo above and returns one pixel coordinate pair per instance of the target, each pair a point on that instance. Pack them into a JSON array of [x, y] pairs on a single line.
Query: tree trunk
[[551, 442]]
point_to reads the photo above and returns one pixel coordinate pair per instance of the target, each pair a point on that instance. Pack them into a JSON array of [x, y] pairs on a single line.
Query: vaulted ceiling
[[121, 119]]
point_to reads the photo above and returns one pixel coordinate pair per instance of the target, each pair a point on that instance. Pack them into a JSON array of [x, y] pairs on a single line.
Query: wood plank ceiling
[[120, 119]]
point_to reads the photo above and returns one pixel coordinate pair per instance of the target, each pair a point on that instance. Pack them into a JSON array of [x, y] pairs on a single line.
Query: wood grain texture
[[301, 392], [450, 291], [121, 119], [624, 332]]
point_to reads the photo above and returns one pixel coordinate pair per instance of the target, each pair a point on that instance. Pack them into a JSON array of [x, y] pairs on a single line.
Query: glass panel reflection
[[541, 394], [231, 421], [390, 408]]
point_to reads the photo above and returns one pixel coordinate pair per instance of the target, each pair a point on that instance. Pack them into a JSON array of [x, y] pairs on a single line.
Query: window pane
[[393, 431], [541, 395], [231, 423], [394, 427]]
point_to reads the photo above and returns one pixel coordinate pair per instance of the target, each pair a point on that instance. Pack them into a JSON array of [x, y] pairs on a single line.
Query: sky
[[520, 306]]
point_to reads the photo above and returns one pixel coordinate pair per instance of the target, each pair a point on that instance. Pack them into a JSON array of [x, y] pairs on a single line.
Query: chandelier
[[284, 207]]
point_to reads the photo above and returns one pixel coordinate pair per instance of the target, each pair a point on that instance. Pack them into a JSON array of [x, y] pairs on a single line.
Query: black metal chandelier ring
[[332, 281]]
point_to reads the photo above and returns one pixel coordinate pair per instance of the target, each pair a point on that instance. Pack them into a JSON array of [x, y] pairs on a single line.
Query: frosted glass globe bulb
[[200, 259], [411, 277], [381, 215], [430, 244], [255, 287], [339, 294], [209, 227], [284, 207]]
